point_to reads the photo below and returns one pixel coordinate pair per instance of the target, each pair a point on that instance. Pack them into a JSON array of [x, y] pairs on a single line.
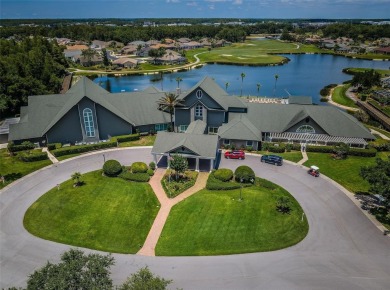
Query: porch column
[[211, 164], [197, 164], [155, 159], [167, 161]]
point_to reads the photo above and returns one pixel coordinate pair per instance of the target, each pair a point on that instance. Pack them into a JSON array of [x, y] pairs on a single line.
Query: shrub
[[380, 145], [265, 183], [32, 156], [54, 146], [150, 172], [280, 148], [137, 177], [249, 148], [139, 167], [112, 168], [223, 174], [321, 149], [362, 152], [152, 166], [126, 138], [216, 184], [26, 145], [83, 148], [244, 174]]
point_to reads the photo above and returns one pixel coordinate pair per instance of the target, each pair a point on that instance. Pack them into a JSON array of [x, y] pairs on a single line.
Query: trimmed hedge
[[32, 156], [362, 152], [54, 146], [126, 138], [82, 148], [112, 167], [380, 145], [265, 183], [321, 149], [137, 177], [223, 174], [150, 172], [244, 173], [26, 145], [216, 184], [139, 167]]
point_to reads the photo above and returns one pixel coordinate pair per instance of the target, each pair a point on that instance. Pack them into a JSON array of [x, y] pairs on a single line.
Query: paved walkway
[[51, 156], [304, 159], [149, 246], [380, 134]]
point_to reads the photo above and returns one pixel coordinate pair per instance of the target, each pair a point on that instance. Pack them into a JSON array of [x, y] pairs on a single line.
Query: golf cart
[[314, 171]]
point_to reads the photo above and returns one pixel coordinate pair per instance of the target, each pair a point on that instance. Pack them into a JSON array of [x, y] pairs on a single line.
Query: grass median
[[107, 214], [217, 223]]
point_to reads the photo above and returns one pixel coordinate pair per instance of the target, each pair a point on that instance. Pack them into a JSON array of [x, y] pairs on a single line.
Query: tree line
[[32, 66]]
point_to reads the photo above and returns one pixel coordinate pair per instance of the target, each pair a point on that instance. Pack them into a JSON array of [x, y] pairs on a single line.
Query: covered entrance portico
[[199, 149]]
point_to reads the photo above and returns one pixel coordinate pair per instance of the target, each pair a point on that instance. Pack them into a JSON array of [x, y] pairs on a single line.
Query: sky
[[263, 9]]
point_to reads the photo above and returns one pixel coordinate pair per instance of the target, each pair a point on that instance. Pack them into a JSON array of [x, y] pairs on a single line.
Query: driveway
[[343, 249]]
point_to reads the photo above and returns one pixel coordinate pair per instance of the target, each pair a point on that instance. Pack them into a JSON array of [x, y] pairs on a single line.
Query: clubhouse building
[[207, 119]]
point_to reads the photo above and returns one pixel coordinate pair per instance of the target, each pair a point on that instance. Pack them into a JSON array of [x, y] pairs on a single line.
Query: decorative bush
[[137, 177], [33, 156], [265, 183], [152, 166], [82, 148], [112, 168], [244, 173], [223, 174], [249, 148], [139, 167], [150, 172], [26, 145]]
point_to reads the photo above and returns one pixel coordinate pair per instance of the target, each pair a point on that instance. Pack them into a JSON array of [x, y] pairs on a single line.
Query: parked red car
[[238, 154]]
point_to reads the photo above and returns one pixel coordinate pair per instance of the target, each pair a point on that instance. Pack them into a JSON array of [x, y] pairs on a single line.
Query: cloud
[[173, 1], [237, 2], [193, 4]]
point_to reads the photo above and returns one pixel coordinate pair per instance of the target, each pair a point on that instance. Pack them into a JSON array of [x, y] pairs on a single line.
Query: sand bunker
[[226, 55]]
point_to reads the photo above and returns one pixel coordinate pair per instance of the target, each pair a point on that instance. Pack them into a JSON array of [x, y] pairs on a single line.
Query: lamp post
[[104, 158]]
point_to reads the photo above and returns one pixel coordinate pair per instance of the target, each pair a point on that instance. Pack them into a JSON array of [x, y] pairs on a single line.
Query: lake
[[304, 75]]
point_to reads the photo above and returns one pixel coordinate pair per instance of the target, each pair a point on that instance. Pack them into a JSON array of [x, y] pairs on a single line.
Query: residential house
[[125, 62]]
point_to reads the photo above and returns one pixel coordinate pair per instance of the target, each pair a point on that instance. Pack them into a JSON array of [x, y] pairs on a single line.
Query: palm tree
[[169, 102], [258, 88], [227, 85], [276, 79], [76, 178], [178, 79], [242, 81]]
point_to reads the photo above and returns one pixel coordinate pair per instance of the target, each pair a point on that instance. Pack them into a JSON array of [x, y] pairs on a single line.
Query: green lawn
[[339, 96], [354, 70], [143, 141], [293, 156], [12, 168], [345, 172], [108, 214], [216, 223]]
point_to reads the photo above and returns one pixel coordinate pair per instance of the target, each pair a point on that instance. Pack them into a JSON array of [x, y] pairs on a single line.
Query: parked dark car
[[238, 154], [272, 159]]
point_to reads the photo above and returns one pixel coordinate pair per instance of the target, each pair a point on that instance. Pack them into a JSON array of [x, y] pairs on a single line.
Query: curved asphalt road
[[343, 250]]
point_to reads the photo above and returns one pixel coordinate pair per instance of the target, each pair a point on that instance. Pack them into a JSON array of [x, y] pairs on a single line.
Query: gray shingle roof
[[217, 93], [45, 111], [196, 127], [200, 144], [279, 118], [239, 128]]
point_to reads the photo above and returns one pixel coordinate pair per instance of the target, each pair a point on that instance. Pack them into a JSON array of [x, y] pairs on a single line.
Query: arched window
[[88, 123], [306, 129], [198, 110]]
